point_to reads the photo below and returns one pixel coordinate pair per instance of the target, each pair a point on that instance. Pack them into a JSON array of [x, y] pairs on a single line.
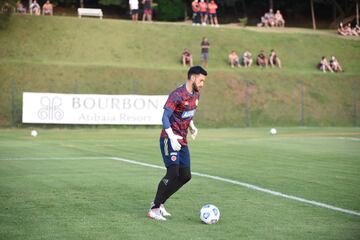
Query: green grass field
[[63, 184]]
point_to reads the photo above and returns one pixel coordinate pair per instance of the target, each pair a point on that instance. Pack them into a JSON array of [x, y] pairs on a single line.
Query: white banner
[[92, 109]]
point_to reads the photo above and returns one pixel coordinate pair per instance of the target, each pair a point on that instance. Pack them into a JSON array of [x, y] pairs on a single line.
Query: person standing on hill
[[134, 9], [203, 12], [205, 45], [212, 13], [147, 10], [179, 111], [196, 12]]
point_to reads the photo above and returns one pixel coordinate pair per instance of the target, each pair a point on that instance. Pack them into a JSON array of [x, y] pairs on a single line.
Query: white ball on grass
[[273, 131], [34, 133], [209, 214]]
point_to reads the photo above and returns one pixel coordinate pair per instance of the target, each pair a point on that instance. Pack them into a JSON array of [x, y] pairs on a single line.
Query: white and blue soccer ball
[[209, 214]]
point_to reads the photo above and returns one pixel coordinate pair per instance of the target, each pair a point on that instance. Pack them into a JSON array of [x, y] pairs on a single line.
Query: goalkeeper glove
[[174, 139], [193, 130]]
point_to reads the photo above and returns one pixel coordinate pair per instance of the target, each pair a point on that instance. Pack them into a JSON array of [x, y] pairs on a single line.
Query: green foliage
[[170, 10], [114, 2]]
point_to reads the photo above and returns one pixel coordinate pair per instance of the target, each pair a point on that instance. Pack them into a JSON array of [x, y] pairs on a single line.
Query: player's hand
[[193, 130], [174, 139], [175, 143]]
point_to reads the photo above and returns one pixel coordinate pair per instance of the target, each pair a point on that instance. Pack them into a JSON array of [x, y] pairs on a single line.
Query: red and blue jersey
[[183, 104]]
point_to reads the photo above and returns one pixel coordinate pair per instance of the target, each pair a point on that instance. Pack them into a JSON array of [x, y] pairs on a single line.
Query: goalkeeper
[[179, 110]]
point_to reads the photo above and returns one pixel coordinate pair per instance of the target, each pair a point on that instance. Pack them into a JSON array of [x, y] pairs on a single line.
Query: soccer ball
[[209, 214], [273, 131], [34, 133]]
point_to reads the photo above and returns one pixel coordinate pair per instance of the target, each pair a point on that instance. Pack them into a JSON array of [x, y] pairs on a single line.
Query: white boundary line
[[243, 184]]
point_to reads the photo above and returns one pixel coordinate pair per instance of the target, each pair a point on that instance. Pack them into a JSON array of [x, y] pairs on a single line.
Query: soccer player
[[179, 111]]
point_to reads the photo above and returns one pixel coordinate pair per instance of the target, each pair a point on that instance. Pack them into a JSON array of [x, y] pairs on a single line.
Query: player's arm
[[171, 135], [193, 130]]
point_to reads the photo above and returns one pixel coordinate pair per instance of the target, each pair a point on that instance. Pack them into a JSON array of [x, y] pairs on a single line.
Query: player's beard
[[196, 88]]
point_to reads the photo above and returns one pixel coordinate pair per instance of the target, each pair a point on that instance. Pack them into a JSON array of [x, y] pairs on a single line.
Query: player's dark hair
[[196, 70]]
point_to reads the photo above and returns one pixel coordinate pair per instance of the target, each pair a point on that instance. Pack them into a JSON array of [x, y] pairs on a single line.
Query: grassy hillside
[[65, 54]]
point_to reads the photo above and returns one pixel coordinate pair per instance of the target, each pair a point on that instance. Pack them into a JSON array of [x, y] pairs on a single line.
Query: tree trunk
[[81, 3], [357, 12], [244, 8], [313, 14]]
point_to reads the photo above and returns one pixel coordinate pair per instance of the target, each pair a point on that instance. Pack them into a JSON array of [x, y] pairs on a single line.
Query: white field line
[[243, 184], [349, 138]]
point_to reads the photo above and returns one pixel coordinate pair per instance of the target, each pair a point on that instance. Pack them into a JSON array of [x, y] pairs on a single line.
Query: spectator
[[205, 45], [357, 29], [269, 18], [203, 12], [20, 8], [324, 65], [279, 20], [212, 13], [7, 8], [353, 30], [47, 8], [187, 58], [134, 9], [261, 59], [247, 59], [196, 12], [274, 60], [234, 59], [335, 65], [35, 8], [341, 30], [147, 10]]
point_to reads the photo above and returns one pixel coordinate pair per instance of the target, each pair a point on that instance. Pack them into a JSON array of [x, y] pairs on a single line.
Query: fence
[[237, 103]]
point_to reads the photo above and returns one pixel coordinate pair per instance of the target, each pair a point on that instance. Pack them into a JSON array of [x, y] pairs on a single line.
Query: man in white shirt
[[134, 9]]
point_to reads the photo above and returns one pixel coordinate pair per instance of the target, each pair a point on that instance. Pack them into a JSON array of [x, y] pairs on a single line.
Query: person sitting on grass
[[357, 29], [261, 59], [335, 65], [234, 59], [47, 8], [20, 8], [247, 59], [324, 65], [270, 18], [187, 58], [274, 60], [341, 29], [279, 19], [35, 8]]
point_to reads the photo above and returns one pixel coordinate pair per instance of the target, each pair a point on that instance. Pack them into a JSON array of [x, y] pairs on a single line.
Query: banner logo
[[50, 109]]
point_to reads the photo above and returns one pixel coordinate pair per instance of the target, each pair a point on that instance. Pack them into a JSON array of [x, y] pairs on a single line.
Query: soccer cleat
[[163, 211], [155, 214]]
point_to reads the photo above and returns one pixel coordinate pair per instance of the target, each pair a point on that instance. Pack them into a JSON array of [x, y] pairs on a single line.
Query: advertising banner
[[55, 108]]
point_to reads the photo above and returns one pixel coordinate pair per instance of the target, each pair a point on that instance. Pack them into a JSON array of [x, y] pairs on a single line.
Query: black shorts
[[134, 11]]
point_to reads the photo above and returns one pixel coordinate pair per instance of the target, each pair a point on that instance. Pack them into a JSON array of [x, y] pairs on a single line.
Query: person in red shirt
[[212, 13], [196, 12], [203, 11]]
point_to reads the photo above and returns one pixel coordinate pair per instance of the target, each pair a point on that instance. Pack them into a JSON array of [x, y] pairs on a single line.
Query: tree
[[122, 3], [313, 14]]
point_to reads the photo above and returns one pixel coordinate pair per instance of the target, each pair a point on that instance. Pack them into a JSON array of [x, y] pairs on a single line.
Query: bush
[[170, 10]]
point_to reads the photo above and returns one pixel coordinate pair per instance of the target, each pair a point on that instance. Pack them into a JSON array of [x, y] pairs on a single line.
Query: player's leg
[[184, 173], [167, 183]]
